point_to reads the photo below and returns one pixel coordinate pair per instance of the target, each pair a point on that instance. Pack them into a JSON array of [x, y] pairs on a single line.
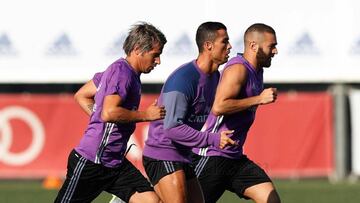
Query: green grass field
[[304, 191]]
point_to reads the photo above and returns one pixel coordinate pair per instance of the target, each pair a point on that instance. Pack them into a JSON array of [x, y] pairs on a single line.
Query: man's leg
[[131, 186], [175, 188], [138, 197], [252, 182], [173, 180], [172, 188], [263, 193], [84, 180], [211, 176], [144, 197]]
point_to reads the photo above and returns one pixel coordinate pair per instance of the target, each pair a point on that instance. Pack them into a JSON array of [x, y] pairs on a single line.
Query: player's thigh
[[84, 180], [144, 197], [172, 187], [128, 182], [262, 193], [157, 169], [250, 180]]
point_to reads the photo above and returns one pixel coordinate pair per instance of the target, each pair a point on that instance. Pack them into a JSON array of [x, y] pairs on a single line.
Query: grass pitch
[[304, 191]]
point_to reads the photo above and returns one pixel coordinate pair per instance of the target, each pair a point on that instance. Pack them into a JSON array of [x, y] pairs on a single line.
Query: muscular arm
[[85, 97], [113, 112], [233, 79]]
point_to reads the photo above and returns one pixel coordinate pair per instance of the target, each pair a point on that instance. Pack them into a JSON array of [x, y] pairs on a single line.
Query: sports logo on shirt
[[180, 121], [197, 118]]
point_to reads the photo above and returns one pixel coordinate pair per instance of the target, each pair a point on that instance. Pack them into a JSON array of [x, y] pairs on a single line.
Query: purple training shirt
[[104, 142], [241, 121]]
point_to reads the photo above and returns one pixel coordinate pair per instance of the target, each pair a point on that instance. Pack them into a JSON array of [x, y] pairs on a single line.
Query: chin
[[267, 65], [225, 60]]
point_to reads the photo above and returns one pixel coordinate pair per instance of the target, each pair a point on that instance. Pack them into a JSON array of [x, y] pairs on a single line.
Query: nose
[[157, 60], [275, 51], [229, 46]]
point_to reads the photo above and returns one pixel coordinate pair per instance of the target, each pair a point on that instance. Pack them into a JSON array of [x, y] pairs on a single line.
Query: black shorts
[[217, 174], [157, 169], [85, 180]]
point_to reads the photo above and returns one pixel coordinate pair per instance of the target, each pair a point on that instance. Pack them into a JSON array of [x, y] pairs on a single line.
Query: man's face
[[267, 50], [221, 47], [148, 60]]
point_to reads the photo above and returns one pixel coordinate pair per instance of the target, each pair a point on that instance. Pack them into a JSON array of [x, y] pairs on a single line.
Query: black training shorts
[[85, 180], [217, 174], [157, 169]]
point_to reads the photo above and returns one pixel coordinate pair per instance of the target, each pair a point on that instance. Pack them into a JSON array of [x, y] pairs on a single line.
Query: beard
[[263, 59]]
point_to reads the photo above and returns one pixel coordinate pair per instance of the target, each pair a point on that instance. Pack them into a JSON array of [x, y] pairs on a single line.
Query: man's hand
[[268, 95], [225, 140], [154, 112]]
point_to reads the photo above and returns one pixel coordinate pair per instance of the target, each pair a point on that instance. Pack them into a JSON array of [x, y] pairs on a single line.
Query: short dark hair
[[260, 28], [144, 36], [207, 32]]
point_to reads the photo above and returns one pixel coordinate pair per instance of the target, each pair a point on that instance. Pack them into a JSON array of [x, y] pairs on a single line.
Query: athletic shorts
[[157, 169], [217, 174], [85, 180]]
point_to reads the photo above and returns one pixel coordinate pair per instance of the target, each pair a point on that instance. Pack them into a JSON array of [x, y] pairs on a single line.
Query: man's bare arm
[[85, 97], [233, 80], [113, 112]]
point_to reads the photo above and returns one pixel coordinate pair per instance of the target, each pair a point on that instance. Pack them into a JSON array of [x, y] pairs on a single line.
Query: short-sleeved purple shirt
[[104, 142]]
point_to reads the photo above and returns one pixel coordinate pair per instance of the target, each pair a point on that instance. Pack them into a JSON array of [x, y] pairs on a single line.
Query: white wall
[[355, 131], [29, 31]]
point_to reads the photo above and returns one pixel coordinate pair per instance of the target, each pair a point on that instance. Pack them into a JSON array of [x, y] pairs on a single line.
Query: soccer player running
[[239, 93], [187, 95], [97, 164]]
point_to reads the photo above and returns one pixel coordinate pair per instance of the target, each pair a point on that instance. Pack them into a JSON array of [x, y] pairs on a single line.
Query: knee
[[145, 197]]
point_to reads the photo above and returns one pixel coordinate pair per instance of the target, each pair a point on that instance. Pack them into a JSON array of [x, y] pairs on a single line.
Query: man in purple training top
[[239, 93], [97, 164], [187, 95]]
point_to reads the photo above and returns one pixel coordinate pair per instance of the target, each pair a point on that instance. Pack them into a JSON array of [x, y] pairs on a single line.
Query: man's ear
[[208, 45], [254, 46], [137, 50]]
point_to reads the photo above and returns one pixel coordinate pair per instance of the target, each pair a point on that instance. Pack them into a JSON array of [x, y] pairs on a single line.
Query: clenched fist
[[154, 112], [268, 95]]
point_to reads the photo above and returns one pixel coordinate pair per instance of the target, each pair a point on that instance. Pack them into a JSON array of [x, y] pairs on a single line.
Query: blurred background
[[308, 141]]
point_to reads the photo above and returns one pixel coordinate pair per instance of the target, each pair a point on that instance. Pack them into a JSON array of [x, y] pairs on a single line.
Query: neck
[[205, 64], [133, 63], [251, 59]]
